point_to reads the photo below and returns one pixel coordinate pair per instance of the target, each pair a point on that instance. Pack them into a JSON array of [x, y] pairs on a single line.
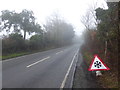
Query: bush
[[13, 43]]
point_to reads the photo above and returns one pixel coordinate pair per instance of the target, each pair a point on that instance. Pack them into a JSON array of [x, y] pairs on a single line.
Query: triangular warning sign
[[97, 65]]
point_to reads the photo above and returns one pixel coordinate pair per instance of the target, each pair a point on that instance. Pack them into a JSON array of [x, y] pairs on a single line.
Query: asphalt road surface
[[48, 69]]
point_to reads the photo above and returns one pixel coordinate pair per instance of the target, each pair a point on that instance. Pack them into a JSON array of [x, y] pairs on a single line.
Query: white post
[[98, 73]]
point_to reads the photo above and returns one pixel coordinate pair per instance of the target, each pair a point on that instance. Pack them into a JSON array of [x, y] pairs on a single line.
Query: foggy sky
[[70, 10]]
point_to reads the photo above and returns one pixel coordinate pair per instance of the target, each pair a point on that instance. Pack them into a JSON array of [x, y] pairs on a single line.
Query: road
[[49, 69]]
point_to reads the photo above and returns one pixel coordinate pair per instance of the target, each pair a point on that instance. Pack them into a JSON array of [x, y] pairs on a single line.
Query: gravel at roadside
[[84, 78]]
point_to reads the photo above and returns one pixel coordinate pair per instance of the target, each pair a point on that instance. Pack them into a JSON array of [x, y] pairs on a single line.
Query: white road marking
[[37, 62], [59, 52], [65, 78]]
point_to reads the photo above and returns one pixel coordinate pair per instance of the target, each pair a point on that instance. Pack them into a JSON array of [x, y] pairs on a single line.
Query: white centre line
[[59, 52], [37, 62], [65, 78]]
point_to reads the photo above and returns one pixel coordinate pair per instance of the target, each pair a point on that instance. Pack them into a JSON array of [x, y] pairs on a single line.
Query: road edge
[[73, 74]]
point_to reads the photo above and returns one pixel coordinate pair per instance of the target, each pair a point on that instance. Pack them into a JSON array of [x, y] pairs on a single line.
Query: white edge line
[[65, 78], [59, 52], [21, 57], [71, 85], [37, 62]]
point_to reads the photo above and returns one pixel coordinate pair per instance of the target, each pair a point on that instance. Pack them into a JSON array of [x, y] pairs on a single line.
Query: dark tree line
[[103, 40], [108, 31], [55, 33]]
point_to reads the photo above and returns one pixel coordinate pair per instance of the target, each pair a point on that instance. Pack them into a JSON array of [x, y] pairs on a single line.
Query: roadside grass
[[17, 54], [109, 79], [0, 57], [88, 57], [14, 55]]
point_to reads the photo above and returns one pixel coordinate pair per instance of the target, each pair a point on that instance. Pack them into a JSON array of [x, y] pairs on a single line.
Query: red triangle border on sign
[[97, 69]]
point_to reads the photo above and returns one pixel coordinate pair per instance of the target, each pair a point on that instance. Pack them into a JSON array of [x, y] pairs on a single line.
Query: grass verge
[[17, 54], [13, 55], [109, 79]]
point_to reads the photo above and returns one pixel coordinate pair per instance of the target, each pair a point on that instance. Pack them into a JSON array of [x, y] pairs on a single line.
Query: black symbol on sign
[[97, 64]]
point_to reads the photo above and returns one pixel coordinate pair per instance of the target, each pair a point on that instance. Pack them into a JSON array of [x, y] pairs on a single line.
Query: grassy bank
[[14, 55], [109, 79], [17, 54]]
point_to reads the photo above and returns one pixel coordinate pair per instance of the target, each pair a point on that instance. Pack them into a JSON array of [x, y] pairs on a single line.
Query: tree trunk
[[106, 46], [24, 34]]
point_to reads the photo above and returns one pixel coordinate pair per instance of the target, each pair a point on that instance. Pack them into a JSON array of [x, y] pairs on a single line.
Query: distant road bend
[[48, 69]]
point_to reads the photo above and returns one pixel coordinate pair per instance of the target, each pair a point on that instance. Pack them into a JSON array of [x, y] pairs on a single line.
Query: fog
[[50, 24]]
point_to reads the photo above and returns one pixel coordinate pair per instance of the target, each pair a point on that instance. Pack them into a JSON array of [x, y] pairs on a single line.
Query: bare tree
[[87, 20]]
